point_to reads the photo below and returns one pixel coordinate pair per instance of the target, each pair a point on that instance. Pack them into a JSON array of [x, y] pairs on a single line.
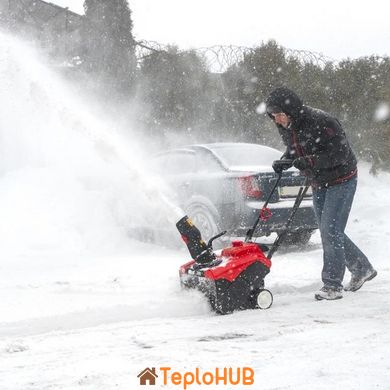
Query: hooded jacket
[[315, 135]]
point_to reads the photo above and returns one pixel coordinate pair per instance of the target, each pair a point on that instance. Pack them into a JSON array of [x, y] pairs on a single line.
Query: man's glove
[[281, 165], [302, 163]]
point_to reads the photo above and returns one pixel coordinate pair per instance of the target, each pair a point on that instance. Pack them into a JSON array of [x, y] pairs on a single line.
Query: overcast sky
[[335, 28]]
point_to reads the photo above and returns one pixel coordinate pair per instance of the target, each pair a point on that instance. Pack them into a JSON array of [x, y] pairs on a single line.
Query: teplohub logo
[[147, 376], [219, 376]]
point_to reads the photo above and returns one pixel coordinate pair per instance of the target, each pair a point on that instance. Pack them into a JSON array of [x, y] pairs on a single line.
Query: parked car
[[222, 186]]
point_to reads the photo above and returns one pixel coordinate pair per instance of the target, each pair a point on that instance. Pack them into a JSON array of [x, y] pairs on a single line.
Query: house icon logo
[[147, 376]]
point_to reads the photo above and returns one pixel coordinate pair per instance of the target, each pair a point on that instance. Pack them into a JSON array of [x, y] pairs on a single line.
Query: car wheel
[[300, 238], [206, 220]]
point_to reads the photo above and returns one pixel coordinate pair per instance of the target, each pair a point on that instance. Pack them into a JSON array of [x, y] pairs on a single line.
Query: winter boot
[[357, 281], [329, 293]]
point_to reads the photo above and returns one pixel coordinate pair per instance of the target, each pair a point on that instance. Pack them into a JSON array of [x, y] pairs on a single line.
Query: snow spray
[[68, 179]]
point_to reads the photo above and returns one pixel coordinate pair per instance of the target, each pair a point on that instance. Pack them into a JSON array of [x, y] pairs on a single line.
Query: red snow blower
[[234, 279]]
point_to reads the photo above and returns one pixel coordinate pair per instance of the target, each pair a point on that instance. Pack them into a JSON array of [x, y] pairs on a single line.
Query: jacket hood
[[284, 100]]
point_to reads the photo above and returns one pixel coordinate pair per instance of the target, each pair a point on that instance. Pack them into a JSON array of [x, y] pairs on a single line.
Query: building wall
[[56, 29]]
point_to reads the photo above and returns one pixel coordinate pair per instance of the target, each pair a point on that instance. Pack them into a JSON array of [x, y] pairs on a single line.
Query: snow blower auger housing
[[234, 279]]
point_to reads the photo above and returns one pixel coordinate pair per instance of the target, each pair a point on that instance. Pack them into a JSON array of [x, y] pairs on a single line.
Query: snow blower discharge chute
[[234, 279]]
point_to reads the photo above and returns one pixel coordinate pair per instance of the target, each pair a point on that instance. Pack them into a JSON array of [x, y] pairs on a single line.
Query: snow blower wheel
[[264, 299]]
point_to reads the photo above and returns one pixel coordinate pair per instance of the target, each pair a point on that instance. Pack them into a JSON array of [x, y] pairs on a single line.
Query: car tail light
[[250, 187]]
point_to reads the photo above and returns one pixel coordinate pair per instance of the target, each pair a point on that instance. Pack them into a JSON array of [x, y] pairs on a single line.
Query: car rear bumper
[[304, 218]]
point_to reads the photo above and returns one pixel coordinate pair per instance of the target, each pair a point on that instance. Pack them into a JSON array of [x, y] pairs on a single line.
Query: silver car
[[222, 186]]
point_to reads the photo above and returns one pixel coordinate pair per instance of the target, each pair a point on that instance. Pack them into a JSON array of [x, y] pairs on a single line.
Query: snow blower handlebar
[[265, 212], [298, 200]]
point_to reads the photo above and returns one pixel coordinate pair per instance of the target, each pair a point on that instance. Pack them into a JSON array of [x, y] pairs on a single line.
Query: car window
[[208, 163], [180, 163], [246, 154]]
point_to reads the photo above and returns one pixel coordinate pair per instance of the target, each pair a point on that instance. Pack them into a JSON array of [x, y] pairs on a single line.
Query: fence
[[219, 58]]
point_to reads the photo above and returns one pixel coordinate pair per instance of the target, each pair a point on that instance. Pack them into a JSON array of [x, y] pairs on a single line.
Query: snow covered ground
[[95, 321], [83, 306]]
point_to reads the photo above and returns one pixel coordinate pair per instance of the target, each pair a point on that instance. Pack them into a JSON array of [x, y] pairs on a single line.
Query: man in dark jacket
[[318, 147]]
